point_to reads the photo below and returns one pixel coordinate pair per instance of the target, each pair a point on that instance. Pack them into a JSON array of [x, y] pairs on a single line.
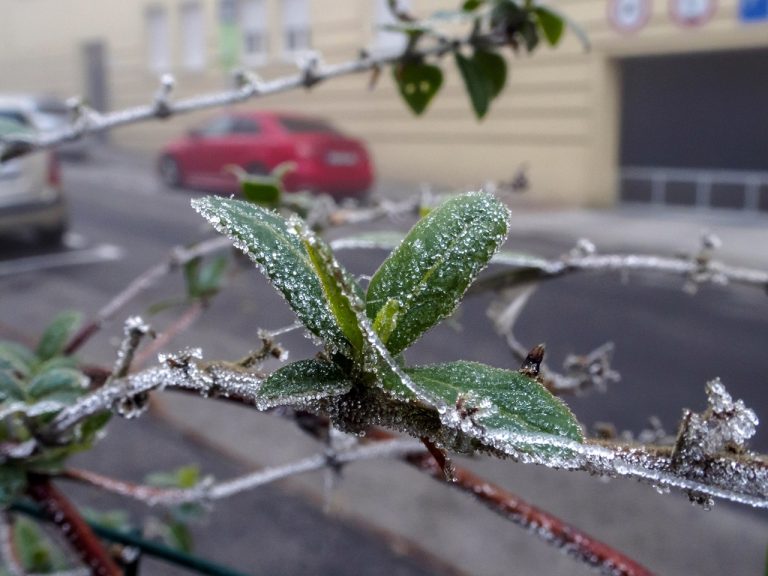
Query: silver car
[[31, 198]]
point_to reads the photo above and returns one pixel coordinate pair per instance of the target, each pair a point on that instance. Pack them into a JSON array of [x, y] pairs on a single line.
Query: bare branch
[[249, 87], [208, 491], [59, 510], [176, 258]]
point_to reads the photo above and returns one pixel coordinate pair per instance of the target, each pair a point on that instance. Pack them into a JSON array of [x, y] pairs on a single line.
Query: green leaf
[[182, 477], [494, 69], [337, 285], [263, 191], [386, 319], [384, 240], [281, 253], [472, 5], [56, 382], [418, 84], [16, 357], [502, 400], [10, 387], [302, 382], [551, 24], [56, 335], [204, 281], [435, 264], [13, 481], [476, 84]]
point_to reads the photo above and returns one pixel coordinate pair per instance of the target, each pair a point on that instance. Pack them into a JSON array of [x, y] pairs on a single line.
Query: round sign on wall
[[629, 15], [692, 12]]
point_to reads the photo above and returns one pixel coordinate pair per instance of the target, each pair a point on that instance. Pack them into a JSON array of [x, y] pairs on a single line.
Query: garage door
[[694, 129]]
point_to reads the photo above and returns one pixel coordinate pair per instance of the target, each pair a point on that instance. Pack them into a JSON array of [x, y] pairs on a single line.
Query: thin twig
[[250, 87], [176, 258], [394, 448], [180, 325]]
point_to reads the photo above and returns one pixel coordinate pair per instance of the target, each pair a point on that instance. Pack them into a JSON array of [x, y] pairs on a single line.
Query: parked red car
[[326, 160]]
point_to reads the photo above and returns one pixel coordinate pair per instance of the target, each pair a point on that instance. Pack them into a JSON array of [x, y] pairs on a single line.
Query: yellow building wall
[[558, 115]]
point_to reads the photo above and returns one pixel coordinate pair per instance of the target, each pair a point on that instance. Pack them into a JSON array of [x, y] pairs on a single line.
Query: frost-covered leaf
[[56, 335], [418, 84], [56, 383], [302, 382], [281, 253], [497, 399], [434, 265], [337, 285]]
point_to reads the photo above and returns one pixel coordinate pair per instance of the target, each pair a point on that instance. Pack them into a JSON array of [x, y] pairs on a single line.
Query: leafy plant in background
[[53, 405]]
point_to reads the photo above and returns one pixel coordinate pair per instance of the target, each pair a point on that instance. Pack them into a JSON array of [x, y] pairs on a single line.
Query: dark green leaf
[[551, 24], [263, 191], [13, 481], [56, 381], [497, 399], [494, 70], [418, 83], [433, 266], [476, 84], [302, 382], [472, 5], [56, 335], [56, 362], [275, 244], [530, 34]]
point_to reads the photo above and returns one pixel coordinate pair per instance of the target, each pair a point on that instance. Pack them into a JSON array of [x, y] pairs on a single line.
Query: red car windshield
[[306, 126]]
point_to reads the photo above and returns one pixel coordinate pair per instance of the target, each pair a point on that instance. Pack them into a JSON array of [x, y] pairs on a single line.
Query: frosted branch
[[177, 258], [249, 87], [207, 491], [698, 269], [591, 371]]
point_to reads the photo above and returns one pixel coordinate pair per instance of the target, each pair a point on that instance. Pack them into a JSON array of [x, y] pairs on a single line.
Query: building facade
[[669, 105]]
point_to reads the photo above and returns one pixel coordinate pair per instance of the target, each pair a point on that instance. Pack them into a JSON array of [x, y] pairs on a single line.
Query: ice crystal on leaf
[[282, 254], [428, 273]]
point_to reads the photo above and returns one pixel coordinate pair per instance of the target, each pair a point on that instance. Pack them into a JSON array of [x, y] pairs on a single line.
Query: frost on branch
[[723, 428]]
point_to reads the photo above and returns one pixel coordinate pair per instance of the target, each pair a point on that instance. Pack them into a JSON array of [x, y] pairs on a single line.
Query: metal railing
[[751, 184]]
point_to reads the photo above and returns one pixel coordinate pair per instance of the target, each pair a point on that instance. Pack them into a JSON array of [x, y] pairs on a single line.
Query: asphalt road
[[668, 343]]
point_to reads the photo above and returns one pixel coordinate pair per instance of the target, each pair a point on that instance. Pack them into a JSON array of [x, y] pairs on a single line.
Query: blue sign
[[753, 10]]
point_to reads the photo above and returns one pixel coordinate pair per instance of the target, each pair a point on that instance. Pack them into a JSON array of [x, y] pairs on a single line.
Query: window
[[220, 126], [193, 36], [158, 42], [386, 40], [296, 34], [242, 125], [296, 125], [253, 20]]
